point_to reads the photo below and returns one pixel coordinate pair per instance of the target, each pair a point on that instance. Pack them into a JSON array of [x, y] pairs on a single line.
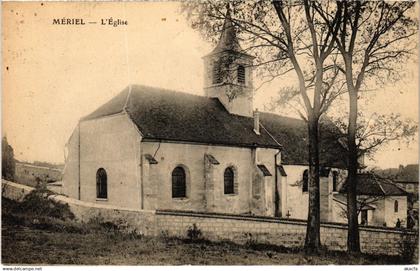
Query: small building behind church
[[380, 202]]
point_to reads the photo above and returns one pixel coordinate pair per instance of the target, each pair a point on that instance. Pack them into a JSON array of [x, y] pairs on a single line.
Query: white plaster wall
[[378, 215], [191, 158], [112, 143], [243, 103], [337, 213], [265, 156], [327, 193], [391, 216], [71, 169], [297, 201]]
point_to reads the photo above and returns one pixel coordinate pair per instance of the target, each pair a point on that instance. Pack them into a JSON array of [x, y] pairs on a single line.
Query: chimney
[[257, 122]]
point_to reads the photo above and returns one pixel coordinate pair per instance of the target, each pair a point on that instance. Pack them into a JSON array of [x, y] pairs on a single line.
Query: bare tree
[[374, 41], [287, 36], [377, 130]]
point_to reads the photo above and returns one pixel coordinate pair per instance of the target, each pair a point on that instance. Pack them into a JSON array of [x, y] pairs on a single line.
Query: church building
[[150, 148]]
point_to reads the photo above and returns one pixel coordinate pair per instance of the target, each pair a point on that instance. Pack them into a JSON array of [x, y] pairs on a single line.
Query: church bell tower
[[228, 72]]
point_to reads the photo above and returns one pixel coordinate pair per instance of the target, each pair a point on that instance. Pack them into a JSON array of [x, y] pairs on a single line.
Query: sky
[[55, 74]]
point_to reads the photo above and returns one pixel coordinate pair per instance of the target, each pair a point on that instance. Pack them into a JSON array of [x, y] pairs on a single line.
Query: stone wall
[[236, 228], [14, 191], [282, 232]]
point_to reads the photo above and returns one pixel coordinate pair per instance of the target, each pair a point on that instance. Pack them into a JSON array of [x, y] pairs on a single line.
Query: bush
[[194, 233], [118, 229], [251, 240], [37, 203], [408, 246]]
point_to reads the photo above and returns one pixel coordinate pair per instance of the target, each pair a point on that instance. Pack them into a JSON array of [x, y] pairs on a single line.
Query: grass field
[[46, 239]]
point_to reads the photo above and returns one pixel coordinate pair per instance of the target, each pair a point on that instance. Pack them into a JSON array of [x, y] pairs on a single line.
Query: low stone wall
[[282, 232], [129, 219], [14, 191], [236, 228]]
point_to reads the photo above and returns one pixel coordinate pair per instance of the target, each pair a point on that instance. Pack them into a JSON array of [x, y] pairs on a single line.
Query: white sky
[[57, 74]]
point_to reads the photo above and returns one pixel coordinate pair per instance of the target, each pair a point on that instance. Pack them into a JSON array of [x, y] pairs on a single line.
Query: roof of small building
[[408, 174], [162, 114], [370, 184]]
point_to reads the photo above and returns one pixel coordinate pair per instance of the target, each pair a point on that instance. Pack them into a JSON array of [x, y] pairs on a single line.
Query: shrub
[[194, 233], [118, 229], [251, 240], [38, 203], [408, 246]]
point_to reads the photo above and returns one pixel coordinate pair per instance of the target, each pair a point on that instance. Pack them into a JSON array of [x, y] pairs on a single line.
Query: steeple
[[228, 71], [228, 39]]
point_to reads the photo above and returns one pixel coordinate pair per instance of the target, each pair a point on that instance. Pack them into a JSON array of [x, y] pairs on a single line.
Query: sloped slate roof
[[373, 185], [409, 174], [228, 39], [292, 134], [176, 116], [264, 170], [162, 114]]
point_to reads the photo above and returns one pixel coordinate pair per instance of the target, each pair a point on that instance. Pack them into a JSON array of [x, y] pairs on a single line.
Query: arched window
[[396, 206], [334, 181], [229, 181], [305, 181], [179, 186], [241, 74], [101, 184]]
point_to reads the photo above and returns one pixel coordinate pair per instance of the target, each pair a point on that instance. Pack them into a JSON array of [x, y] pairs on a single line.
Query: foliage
[[8, 162], [408, 247], [377, 130], [118, 228], [194, 233], [39, 204], [251, 240]]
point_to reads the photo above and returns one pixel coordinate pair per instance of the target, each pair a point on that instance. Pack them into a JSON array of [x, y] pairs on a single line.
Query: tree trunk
[[353, 239], [313, 240]]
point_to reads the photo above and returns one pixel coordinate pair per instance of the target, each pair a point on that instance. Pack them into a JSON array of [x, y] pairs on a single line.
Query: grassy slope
[[30, 240]]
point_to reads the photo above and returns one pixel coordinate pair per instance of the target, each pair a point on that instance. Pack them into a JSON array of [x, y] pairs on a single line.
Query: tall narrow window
[[241, 74], [217, 72], [396, 206], [101, 184], [334, 181], [179, 189], [229, 181], [305, 181]]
